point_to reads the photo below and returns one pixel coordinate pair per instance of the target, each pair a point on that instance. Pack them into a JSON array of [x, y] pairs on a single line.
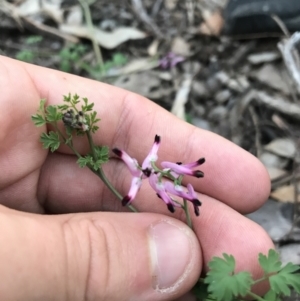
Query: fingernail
[[170, 249]]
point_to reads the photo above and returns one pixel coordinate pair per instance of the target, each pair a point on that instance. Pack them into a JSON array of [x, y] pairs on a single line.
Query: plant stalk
[[187, 213], [89, 22], [101, 174], [256, 296]]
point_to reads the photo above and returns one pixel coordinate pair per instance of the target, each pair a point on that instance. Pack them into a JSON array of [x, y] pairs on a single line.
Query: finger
[[20, 149], [130, 122], [219, 228], [95, 256]]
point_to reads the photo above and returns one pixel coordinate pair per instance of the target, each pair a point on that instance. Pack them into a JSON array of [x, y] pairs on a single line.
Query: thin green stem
[[89, 22], [187, 213], [266, 277], [66, 141], [92, 145], [98, 172], [256, 296], [101, 174], [112, 189]]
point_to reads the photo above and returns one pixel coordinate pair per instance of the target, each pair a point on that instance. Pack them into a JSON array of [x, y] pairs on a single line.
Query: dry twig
[[291, 56], [257, 131], [178, 107], [278, 104], [190, 7], [142, 14]]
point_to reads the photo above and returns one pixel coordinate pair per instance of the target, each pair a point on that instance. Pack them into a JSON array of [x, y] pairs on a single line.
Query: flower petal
[[131, 163], [183, 169], [196, 163], [136, 183], [152, 156], [161, 192]]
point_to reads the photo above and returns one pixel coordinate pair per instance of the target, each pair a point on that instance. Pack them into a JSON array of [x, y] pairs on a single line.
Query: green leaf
[[270, 263], [67, 98], [52, 114], [84, 161], [33, 40], [102, 157], [93, 117], [281, 278], [39, 118], [224, 266], [92, 120], [119, 59], [102, 153], [50, 140], [223, 283], [69, 132], [86, 107], [94, 128], [200, 291], [271, 296], [85, 100], [285, 279], [25, 56], [42, 105], [75, 99], [63, 107]]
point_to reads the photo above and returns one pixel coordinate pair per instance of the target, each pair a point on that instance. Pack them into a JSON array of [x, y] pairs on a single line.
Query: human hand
[[112, 255]]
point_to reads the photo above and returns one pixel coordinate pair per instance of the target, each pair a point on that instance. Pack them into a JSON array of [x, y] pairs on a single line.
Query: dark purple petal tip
[[117, 152], [171, 208], [196, 210], [157, 139], [147, 172], [201, 161], [179, 163], [196, 202], [198, 174], [126, 200]]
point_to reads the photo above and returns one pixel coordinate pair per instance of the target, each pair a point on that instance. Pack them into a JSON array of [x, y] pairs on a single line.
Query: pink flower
[[136, 173], [131, 163], [159, 187], [151, 157], [184, 169], [164, 189], [189, 196], [135, 186]]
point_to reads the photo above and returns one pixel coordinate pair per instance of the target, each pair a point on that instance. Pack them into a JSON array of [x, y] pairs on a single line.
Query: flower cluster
[[77, 121], [165, 189]]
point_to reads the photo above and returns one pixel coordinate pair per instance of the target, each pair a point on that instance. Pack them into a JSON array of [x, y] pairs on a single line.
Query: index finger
[[130, 122]]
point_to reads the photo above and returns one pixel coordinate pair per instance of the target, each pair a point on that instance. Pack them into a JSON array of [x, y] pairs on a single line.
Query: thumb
[[96, 256]]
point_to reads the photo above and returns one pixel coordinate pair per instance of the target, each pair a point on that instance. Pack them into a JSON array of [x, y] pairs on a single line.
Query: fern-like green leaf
[[50, 141], [223, 283], [52, 114], [39, 118], [270, 263], [285, 279], [84, 161]]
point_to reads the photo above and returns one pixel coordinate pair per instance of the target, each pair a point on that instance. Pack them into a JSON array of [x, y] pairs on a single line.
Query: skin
[[50, 251]]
